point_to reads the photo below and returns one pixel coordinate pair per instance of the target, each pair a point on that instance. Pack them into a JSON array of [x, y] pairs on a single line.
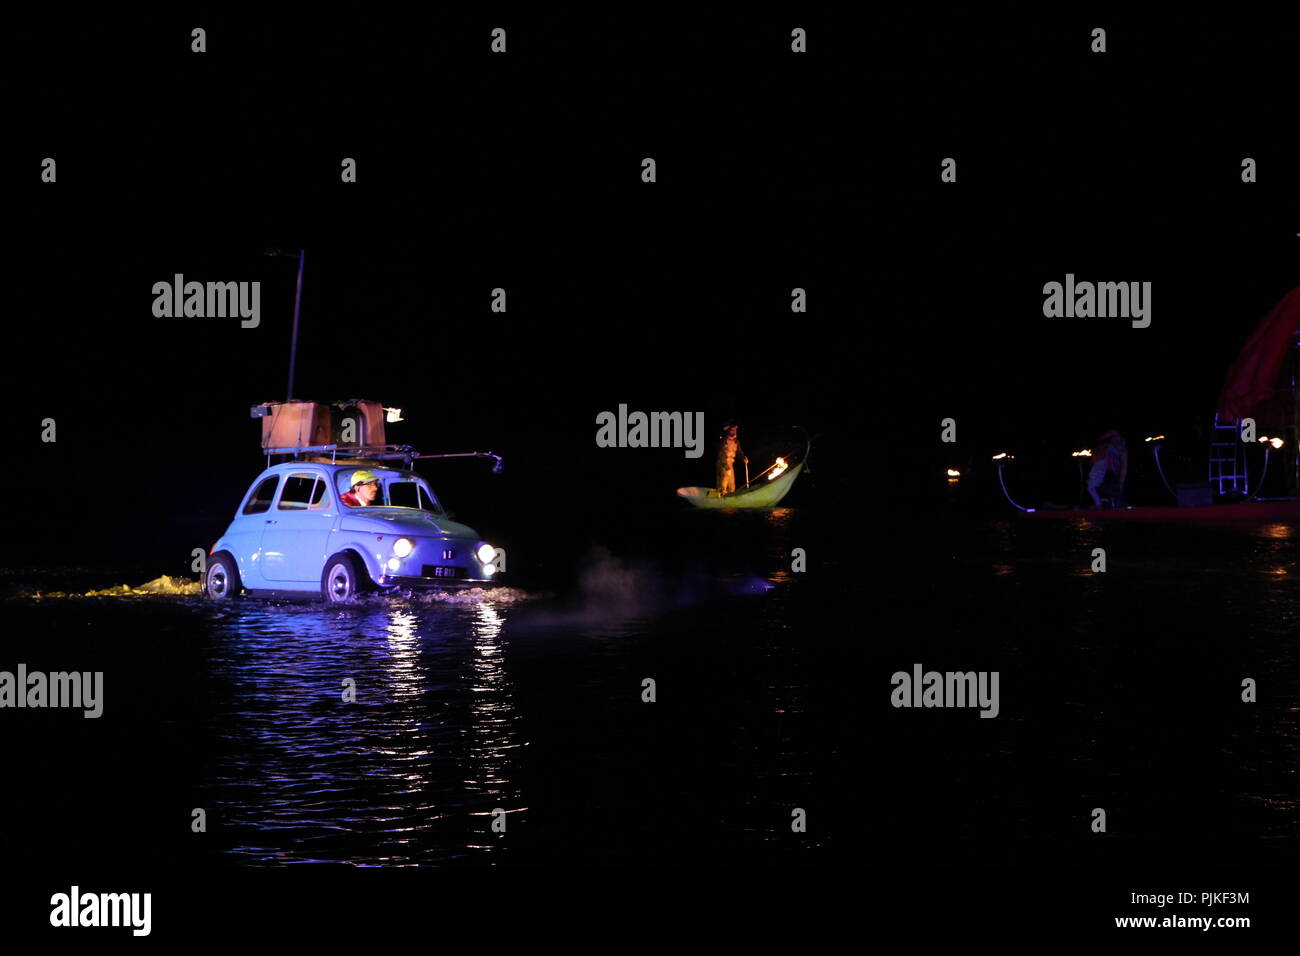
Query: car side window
[[297, 492], [319, 500], [263, 496]]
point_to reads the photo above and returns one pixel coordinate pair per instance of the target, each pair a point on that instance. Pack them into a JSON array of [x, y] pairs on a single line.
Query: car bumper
[[408, 581]]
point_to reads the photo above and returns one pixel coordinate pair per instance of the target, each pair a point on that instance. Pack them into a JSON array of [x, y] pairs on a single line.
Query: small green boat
[[759, 494]]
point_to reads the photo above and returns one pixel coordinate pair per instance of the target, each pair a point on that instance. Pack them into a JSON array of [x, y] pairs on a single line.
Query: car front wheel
[[341, 581], [221, 581]]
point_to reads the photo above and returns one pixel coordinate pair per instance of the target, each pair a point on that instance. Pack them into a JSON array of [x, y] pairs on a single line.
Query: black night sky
[[924, 298], [774, 171]]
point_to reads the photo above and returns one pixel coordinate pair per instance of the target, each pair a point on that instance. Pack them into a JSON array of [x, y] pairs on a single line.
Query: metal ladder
[[1228, 457]]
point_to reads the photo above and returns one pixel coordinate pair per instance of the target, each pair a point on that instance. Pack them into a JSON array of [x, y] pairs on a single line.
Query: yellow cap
[[362, 476]]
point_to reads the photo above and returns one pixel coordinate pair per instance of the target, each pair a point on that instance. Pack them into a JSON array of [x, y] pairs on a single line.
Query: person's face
[[366, 493]]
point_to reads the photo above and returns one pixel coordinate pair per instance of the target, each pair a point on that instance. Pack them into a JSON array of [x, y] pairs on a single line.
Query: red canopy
[[1253, 376]]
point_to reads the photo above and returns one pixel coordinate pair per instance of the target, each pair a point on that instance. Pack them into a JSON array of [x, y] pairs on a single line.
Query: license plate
[[437, 571]]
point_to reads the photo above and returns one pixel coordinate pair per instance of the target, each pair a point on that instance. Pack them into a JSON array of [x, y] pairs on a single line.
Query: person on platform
[[727, 452], [1109, 471], [365, 488]]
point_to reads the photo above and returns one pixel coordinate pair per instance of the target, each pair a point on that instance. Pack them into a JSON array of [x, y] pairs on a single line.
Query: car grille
[[441, 571]]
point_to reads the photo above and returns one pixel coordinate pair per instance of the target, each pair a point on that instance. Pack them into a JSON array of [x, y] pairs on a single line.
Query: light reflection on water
[[492, 737], [778, 517], [408, 773], [468, 702]]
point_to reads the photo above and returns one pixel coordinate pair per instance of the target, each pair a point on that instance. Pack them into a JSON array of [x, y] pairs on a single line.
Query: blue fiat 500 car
[[302, 529]]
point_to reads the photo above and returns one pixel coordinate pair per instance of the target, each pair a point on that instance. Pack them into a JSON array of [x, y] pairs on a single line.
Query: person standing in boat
[[1109, 470], [727, 452]]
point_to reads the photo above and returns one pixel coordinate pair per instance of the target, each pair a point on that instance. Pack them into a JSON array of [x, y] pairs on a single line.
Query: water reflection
[[1275, 549], [458, 704], [377, 734], [785, 775], [779, 517], [492, 737]]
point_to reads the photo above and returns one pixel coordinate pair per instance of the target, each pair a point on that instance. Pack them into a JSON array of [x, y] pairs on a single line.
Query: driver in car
[[365, 487]]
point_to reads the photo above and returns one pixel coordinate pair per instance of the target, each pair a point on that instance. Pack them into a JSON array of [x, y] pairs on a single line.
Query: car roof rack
[[349, 454], [334, 453]]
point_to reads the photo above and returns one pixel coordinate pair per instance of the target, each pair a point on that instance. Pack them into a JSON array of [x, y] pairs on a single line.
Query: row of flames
[[953, 474]]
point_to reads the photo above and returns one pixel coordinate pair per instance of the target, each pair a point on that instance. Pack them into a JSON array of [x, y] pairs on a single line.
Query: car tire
[[343, 578], [221, 580]]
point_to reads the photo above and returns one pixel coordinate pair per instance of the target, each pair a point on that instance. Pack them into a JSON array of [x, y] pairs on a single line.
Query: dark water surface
[[1120, 690], [526, 699]]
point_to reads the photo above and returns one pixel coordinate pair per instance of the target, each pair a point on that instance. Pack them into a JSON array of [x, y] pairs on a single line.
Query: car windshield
[[392, 489]]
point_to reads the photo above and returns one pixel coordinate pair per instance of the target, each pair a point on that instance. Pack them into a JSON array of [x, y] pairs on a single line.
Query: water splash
[[165, 585]]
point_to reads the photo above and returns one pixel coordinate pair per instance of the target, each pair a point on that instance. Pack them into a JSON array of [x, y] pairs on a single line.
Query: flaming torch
[[1270, 445]]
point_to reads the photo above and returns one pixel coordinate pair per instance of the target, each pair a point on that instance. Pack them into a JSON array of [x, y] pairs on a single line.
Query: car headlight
[[486, 553], [402, 547]]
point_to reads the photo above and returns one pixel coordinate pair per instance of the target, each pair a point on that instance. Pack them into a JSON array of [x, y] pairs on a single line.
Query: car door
[[296, 532], [243, 538]]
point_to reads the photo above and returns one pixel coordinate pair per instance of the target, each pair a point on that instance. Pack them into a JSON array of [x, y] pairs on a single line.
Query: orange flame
[[780, 468]]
